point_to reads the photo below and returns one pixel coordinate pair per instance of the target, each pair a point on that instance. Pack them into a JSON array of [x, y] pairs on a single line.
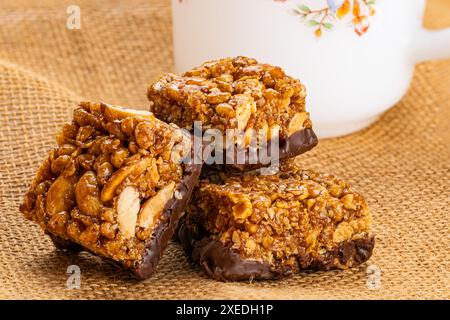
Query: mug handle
[[430, 45]]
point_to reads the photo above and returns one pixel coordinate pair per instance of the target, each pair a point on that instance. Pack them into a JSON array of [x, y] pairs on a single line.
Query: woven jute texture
[[401, 163]]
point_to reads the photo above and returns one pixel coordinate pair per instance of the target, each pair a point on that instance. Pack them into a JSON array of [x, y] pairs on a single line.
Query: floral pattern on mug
[[325, 17], [181, 1]]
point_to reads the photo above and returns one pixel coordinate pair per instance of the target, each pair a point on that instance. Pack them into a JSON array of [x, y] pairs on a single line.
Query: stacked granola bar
[[119, 181], [263, 227], [243, 98]]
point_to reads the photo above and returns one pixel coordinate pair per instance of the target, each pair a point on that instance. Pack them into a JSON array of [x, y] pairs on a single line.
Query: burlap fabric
[[401, 164]]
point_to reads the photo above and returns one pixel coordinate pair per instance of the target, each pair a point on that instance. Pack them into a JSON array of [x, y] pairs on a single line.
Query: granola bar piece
[[266, 227], [114, 186], [241, 95]]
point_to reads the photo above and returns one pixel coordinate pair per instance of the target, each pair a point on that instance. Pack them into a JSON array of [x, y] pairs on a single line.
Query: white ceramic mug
[[357, 66]]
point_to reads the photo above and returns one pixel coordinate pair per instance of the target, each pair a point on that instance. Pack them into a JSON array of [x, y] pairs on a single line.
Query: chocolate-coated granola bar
[[114, 186], [242, 95], [266, 227]]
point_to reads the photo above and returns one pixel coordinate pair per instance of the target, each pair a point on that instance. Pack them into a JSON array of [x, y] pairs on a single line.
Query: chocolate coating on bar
[[224, 264], [64, 244], [296, 144], [172, 214]]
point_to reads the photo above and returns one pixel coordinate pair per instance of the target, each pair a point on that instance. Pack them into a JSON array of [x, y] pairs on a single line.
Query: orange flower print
[[344, 9], [323, 18], [318, 32], [359, 21]]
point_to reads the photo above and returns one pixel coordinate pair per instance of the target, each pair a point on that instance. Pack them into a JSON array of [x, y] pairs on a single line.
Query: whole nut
[[173, 93], [104, 172], [128, 125], [117, 113], [216, 96], [144, 134], [248, 85], [223, 86], [94, 149], [61, 195], [296, 123], [84, 219], [226, 77], [43, 187], [225, 110], [90, 235], [196, 81], [88, 195], [133, 147], [245, 107], [58, 222], [85, 133], [128, 207], [115, 129], [120, 175], [86, 161], [67, 134], [300, 192], [108, 215], [154, 206], [108, 230], [201, 72], [66, 149], [109, 145], [74, 228], [84, 118], [60, 163], [101, 159], [119, 156]]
